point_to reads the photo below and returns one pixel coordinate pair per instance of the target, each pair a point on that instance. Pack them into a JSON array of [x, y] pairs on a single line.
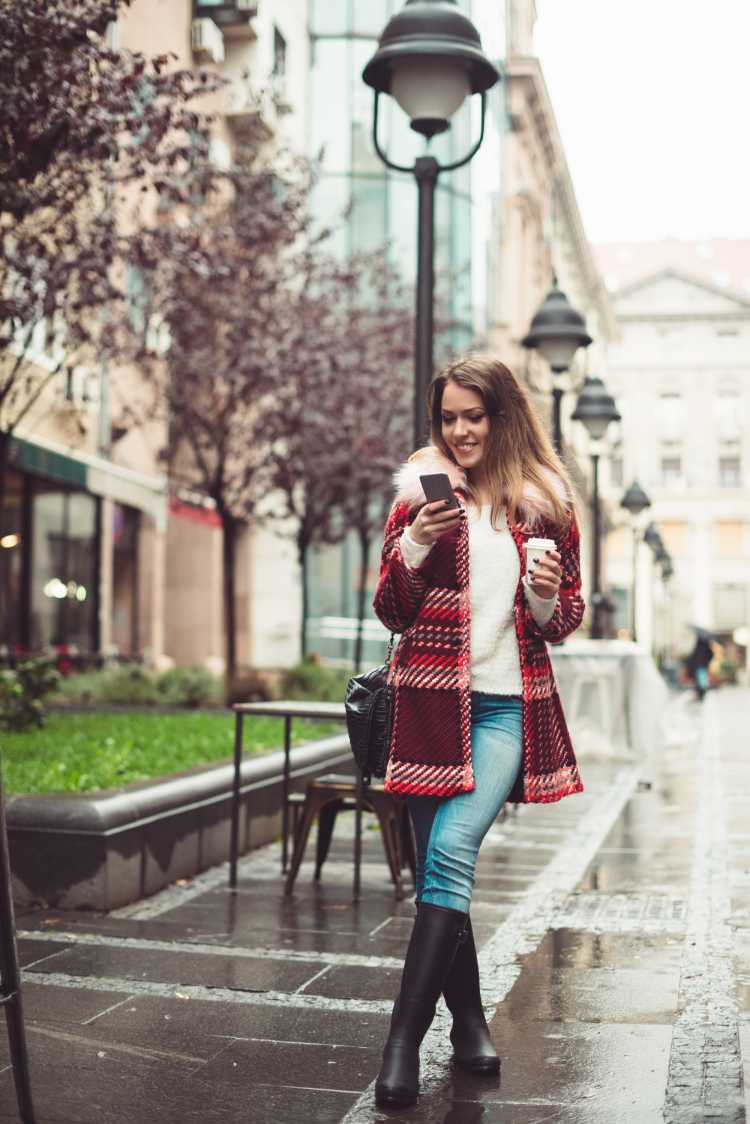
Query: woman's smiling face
[[465, 425]]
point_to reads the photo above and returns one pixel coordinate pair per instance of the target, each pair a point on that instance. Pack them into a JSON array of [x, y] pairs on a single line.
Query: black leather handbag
[[369, 718]]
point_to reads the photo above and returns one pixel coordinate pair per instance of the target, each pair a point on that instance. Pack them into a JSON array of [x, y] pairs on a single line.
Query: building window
[[671, 417], [730, 475], [671, 470], [64, 568], [278, 73], [728, 416]]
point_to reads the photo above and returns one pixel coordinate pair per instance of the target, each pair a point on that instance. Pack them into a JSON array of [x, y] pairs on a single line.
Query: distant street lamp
[[556, 332], [634, 501], [429, 58], [654, 540], [595, 409]]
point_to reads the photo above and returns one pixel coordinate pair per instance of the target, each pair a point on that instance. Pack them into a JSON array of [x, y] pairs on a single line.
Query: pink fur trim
[[430, 459], [534, 506]]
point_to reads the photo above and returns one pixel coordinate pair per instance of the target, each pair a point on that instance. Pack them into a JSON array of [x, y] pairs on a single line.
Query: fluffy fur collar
[[534, 506]]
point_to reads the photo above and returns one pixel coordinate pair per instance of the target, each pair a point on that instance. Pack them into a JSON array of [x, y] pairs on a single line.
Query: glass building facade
[[383, 209]]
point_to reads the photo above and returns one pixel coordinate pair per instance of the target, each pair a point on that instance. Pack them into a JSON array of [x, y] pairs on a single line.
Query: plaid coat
[[430, 671]]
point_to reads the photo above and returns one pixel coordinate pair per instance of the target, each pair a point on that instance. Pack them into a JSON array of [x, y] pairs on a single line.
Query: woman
[[477, 717], [697, 664]]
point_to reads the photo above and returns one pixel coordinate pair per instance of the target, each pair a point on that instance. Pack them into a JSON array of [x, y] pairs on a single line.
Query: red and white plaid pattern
[[431, 668]]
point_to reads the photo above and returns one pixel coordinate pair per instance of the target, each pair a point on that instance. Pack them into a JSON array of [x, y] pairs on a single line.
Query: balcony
[[234, 18]]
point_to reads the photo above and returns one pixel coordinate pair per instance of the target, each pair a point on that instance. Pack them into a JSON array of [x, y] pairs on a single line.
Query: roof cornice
[[671, 274]]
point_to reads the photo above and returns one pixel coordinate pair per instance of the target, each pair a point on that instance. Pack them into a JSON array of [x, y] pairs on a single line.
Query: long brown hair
[[519, 452]]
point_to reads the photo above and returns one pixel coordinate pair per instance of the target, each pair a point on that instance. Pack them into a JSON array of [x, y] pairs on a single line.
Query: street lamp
[[429, 58], [595, 409], [557, 331], [654, 540], [634, 501]]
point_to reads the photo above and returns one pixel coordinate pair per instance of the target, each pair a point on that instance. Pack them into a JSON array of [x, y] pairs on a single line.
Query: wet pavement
[[614, 936]]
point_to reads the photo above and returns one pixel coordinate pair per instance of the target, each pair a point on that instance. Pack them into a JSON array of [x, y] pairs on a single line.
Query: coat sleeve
[[400, 589], [570, 605]]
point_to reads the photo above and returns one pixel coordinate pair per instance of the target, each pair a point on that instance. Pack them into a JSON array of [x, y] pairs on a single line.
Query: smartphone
[[437, 486]]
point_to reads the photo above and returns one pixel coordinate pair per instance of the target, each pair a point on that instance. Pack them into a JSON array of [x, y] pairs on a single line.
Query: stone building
[[680, 372]]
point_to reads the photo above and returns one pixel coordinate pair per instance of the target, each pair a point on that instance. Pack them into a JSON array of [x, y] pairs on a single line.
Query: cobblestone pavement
[[614, 932]]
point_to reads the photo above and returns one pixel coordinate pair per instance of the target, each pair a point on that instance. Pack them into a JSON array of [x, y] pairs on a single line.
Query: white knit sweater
[[495, 570]]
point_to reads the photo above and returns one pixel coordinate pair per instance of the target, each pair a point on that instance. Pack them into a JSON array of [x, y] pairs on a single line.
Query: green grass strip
[[88, 752]]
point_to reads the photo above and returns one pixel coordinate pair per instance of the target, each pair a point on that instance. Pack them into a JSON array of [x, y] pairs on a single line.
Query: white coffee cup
[[536, 549]]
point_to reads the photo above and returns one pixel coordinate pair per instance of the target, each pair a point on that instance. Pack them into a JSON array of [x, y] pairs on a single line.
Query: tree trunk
[[4, 463], [229, 553], [303, 549], [365, 541]]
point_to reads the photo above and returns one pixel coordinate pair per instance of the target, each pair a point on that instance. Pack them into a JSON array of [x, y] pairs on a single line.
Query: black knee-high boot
[[433, 944], [472, 1045]]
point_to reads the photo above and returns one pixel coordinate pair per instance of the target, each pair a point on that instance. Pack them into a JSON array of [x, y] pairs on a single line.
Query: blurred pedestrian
[[477, 717], [697, 664]]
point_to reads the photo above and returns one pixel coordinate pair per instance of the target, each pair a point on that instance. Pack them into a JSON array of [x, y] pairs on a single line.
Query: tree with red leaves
[[83, 130], [224, 283], [341, 412]]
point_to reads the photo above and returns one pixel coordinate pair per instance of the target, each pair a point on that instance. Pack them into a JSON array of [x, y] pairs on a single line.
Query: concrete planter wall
[[107, 849]]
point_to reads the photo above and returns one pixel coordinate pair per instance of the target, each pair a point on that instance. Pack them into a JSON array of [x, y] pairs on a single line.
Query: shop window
[[64, 568], [730, 475]]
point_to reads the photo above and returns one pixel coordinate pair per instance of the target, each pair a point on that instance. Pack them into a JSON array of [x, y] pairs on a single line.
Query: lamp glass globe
[[429, 89], [558, 352]]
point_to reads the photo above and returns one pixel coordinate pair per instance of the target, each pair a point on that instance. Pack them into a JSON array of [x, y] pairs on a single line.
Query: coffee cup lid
[[541, 544]]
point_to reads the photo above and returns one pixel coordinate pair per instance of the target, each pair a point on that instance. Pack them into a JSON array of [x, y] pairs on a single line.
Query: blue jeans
[[450, 829]]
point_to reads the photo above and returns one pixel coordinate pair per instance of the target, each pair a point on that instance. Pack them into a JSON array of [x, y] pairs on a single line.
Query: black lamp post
[[557, 331], [634, 501], [654, 540], [429, 58], [595, 408]]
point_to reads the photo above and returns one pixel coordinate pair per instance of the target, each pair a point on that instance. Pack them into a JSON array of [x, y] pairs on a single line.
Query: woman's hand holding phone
[[433, 521]]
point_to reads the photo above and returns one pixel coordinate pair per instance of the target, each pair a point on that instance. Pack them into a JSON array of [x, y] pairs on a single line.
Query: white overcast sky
[[653, 102]]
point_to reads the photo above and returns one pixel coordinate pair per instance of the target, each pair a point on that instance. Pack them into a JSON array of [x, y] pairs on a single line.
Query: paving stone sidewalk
[[614, 931]]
